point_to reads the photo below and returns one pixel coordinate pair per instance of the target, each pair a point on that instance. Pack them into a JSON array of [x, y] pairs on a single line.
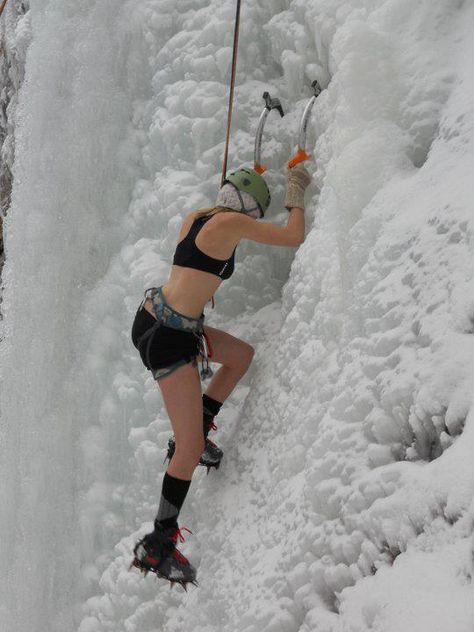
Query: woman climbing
[[169, 333]]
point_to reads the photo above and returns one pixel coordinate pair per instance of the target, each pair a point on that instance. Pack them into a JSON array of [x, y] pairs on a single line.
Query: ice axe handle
[[301, 154], [270, 104]]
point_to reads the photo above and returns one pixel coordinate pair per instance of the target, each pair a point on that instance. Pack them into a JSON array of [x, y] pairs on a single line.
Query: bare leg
[[183, 400], [234, 354]]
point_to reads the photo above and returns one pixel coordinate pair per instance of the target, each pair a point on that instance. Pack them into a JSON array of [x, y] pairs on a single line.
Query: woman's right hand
[[298, 179]]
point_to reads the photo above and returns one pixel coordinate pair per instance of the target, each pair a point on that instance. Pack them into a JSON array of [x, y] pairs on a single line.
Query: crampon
[[157, 553], [211, 457]]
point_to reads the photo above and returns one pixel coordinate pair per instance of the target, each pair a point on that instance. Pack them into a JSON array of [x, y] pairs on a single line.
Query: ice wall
[[14, 41], [345, 498], [73, 175]]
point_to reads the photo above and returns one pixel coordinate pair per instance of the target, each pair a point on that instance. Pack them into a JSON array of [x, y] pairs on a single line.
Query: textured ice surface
[[344, 500]]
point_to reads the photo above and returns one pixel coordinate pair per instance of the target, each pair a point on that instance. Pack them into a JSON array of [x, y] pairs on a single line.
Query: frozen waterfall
[[345, 499]]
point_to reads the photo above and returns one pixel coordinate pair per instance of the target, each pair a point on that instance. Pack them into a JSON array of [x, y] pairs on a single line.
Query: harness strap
[[157, 309], [203, 348], [210, 353], [205, 351]]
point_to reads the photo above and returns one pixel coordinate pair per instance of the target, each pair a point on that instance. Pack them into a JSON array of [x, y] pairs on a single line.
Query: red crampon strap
[[177, 535], [180, 557]]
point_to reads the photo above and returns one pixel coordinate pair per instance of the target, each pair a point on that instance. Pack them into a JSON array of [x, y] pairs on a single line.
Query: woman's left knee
[[246, 355]]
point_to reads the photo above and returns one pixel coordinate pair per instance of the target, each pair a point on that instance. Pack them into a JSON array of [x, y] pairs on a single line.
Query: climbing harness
[[166, 315], [270, 104], [301, 154]]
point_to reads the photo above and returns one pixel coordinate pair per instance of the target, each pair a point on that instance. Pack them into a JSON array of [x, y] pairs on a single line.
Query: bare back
[[188, 290]]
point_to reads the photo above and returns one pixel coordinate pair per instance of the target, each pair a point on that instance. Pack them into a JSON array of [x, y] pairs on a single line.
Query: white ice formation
[[345, 499]]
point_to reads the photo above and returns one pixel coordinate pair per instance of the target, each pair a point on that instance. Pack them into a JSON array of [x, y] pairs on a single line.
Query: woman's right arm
[[293, 233], [268, 233]]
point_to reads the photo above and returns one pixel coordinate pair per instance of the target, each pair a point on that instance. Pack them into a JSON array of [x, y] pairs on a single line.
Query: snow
[[344, 500]]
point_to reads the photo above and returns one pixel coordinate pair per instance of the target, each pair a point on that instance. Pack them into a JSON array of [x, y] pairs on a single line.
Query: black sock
[[210, 409], [173, 493]]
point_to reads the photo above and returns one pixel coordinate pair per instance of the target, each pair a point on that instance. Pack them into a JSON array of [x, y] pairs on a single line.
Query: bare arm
[[268, 233], [293, 233]]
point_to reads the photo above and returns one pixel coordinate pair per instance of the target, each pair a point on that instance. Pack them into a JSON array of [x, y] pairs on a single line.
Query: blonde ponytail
[[213, 211]]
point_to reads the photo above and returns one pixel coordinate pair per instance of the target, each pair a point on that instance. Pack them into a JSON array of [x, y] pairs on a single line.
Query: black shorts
[[166, 349]]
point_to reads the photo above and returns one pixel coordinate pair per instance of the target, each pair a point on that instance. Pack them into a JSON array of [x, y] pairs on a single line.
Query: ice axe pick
[[301, 154]]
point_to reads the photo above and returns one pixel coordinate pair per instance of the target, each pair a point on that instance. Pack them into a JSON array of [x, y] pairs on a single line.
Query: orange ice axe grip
[[300, 156]]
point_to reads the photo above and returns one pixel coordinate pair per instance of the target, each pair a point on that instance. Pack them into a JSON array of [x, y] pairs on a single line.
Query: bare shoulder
[[186, 225], [190, 217], [218, 224]]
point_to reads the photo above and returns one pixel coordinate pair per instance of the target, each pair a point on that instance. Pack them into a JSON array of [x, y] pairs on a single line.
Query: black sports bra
[[188, 255]]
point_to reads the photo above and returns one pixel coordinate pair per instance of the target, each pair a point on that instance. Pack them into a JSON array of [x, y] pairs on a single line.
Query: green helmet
[[248, 180]]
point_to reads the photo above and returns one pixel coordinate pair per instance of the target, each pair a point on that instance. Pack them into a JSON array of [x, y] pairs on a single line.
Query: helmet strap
[[242, 204], [239, 195]]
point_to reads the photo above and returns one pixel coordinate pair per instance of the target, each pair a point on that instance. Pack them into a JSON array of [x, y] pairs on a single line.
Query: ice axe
[[270, 104], [301, 154]]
